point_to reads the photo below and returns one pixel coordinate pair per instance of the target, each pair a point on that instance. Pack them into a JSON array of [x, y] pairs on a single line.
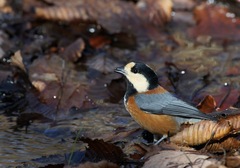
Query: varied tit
[[153, 107]]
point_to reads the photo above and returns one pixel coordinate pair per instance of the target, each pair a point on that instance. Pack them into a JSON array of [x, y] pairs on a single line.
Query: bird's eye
[[135, 70]]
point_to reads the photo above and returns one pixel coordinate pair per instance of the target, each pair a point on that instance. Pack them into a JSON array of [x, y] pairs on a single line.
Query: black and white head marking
[[141, 76]]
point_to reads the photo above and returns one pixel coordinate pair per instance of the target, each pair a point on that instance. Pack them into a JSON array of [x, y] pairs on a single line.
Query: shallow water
[[19, 148]]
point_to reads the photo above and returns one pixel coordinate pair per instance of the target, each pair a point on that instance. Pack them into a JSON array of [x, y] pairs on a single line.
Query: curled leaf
[[208, 104], [228, 144], [59, 13], [157, 11], [234, 121], [142, 19], [201, 132]]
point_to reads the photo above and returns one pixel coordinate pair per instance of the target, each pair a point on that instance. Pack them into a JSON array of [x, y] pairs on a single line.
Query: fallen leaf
[[157, 12], [136, 151], [224, 96], [99, 41], [108, 88], [233, 161], [101, 164], [99, 150], [207, 105], [234, 121], [103, 63], [175, 158], [64, 96], [114, 15], [63, 87], [17, 61], [39, 85], [228, 144], [213, 20], [74, 51], [201, 132]]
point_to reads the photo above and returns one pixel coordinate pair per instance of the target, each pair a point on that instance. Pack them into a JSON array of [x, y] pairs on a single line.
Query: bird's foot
[[161, 139]]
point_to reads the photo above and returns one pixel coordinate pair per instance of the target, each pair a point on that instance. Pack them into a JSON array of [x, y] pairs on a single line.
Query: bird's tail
[[224, 114]]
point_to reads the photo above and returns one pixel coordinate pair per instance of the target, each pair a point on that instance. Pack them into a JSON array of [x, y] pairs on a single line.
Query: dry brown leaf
[[201, 132], [114, 15], [17, 61], [99, 41], [66, 96], [135, 151], [233, 161], [100, 150], [226, 97], [234, 121], [228, 144], [207, 105], [74, 51], [102, 63], [39, 85], [179, 159], [157, 12], [215, 21], [64, 87]]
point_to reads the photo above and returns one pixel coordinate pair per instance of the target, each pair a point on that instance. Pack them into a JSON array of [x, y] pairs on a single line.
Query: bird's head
[[139, 75]]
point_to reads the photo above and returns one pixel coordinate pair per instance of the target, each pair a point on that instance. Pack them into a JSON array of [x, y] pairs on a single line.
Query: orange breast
[[157, 124]]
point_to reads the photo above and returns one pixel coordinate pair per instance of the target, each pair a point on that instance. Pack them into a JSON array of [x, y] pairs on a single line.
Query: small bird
[[153, 107]]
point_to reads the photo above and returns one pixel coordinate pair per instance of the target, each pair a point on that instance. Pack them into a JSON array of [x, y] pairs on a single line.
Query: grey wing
[[167, 104]]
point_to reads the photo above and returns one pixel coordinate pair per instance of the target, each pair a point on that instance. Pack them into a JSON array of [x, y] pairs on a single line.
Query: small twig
[[209, 141], [190, 162], [62, 83], [223, 160]]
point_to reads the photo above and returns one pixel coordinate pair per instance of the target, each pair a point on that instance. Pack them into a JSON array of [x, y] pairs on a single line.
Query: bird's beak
[[120, 70]]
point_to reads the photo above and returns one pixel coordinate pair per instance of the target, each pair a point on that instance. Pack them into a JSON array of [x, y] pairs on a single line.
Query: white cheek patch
[[138, 81]]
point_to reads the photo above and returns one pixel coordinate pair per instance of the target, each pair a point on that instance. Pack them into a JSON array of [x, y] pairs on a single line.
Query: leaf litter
[[57, 80]]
